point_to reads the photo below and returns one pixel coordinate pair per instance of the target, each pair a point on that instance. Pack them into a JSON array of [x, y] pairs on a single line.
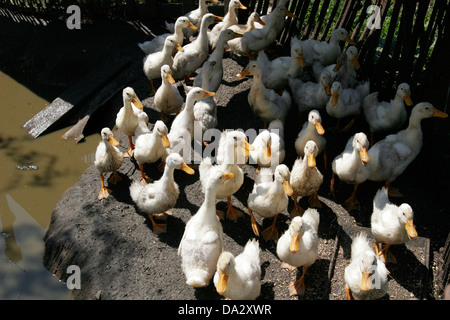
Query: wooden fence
[[411, 45]]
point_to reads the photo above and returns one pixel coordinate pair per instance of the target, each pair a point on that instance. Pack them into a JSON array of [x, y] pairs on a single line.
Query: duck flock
[[317, 78]]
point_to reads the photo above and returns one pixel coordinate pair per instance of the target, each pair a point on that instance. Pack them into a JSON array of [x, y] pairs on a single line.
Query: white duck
[[253, 18], [366, 277], [239, 278], [150, 146], [260, 38], [392, 155], [156, 198], [217, 56], [269, 145], [265, 103], [154, 61], [299, 246], [236, 45], [306, 178], [181, 132], [167, 98], [346, 102], [312, 130], [346, 73], [391, 224], [385, 116], [230, 19], [311, 95], [269, 198], [232, 152], [202, 241], [205, 110], [127, 117], [279, 24], [157, 43], [351, 166], [195, 16], [108, 158], [194, 53], [276, 72], [327, 52]]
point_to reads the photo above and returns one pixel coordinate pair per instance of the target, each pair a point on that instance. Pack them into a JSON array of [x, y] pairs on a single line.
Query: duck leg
[[386, 254], [314, 201], [298, 286], [352, 203], [232, 213], [393, 192], [158, 228], [255, 227], [153, 88], [144, 177], [348, 293], [104, 191], [115, 178], [130, 151], [332, 182], [271, 233], [297, 211]]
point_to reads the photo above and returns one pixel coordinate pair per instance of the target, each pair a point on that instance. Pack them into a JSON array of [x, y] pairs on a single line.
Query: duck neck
[[230, 18], [167, 176], [202, 6], [356, 160], [294, 67], [202, 38]]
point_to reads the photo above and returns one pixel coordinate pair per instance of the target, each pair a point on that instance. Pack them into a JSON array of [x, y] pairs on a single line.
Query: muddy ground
[[113, 242]]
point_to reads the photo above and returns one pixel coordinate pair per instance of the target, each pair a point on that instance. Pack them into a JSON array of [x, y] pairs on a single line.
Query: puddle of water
[[27, 197]]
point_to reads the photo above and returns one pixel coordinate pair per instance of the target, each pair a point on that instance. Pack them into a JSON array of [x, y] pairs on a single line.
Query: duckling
[[108, 158], [167, 98], [154, 61], [346, 102], [312, 130], [232, 153], [392, 155], [385, 116], [351, 166], [239, 278], [202, 241], [364, 269], [155, 199], [306, 179], [391, 224], [181, 132], [230, 19], [311, 95], [157, 43], [265, 103], [269, 145], [299, 245], [127, 117], [150, 146], [269, 197], [195, 53]]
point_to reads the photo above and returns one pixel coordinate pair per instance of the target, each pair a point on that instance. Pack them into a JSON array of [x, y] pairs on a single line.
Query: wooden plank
[[122, 76], [74, 95]]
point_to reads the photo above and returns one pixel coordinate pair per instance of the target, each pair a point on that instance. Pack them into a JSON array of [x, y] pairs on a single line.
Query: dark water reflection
[[34, 175]]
